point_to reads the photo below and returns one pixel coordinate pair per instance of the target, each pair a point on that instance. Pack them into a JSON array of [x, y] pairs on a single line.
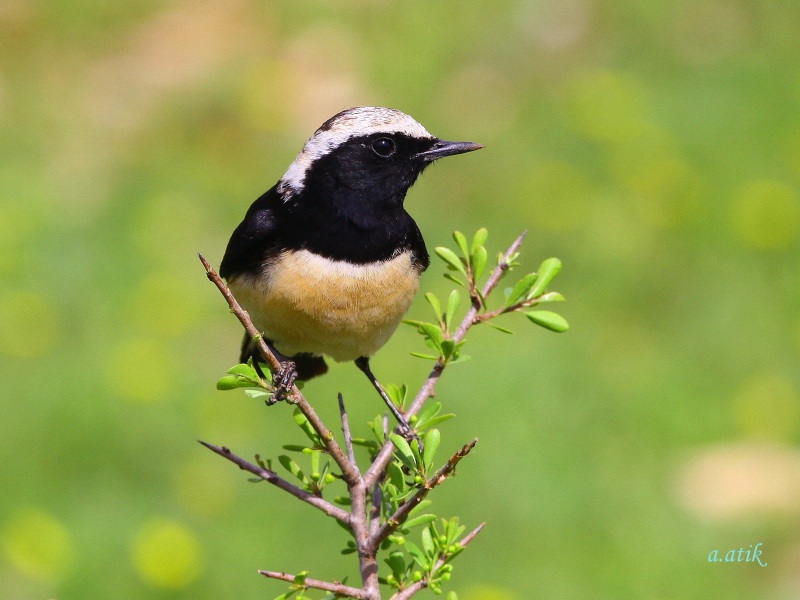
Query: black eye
[[383, 147]]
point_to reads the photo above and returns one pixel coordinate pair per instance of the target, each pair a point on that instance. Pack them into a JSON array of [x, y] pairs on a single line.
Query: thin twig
[[400, 515], [348, 438], [270, 476], [423, 583], [426, 391], [337, 588], [349, 469]]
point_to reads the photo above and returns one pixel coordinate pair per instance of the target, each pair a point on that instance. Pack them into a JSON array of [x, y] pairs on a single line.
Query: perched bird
[[327, 261]]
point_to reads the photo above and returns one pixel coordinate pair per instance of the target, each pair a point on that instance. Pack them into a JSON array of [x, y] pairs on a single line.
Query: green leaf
[[404, 452], [258, 394], [397, 563], [461, 240], [303, 423], [232, 382], [300, 578], [430, 409], [244, 370], [547, 271], [427, 543], [448, 346], [420, 520], [548, 320], [452, 306], [521, 288], [397, 394], [417, 554], [493, 326], [455, 279], [551, 297], [426, 356], [451, 596], [478, 261], [396, 477], [451, 259], [435, 420], [434, 302], [292, 467], [432, 332], [295, 448], [431, 444], [479, 239]]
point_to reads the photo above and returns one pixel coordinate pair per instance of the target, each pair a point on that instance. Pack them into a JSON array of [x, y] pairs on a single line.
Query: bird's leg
[[283, 379], [363, 364]]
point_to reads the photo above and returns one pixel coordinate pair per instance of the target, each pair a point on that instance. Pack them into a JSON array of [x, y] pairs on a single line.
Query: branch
[[400, 515], [423, 583], [349, 469], [270, 476], [337, 588], [426, 391], [348, 438]]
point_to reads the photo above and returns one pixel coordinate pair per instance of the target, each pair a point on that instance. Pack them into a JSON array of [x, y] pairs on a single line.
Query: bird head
[[365, 158]]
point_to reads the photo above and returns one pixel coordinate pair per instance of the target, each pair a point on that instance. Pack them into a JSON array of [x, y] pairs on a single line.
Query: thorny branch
[[363, 521]]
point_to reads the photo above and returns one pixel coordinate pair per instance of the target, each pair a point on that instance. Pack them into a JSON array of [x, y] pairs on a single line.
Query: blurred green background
[[653, 146]]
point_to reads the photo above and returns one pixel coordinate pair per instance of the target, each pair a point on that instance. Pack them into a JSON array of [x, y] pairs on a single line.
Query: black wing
[[254, 240]]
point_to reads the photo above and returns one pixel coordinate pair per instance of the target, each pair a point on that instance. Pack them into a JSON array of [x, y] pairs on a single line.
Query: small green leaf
[[551, 297], [521, 288], [478, 261], [420, 520], [397, 563], [447, 346], [396, 477], [295, 448], [258, 394], [417, 554], [451, 596], [404, 452], [425, 356], [303, 423], [434, 302], [435, 420], [493, 326], [430, 409], [479, 239], [451, 259], [548, 320], [232, 382], [432, 332], [452, 306], [461, 241], [427, 543], [547, 271], [300, 578], [292, 467], [455, 279], [244, 370], [431, 444]]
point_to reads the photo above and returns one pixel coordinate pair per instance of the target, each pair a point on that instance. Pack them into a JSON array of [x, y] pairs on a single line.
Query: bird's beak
[[442, 148]]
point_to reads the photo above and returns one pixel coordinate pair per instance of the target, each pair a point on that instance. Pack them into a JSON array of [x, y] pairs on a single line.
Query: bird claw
[[283, 379]]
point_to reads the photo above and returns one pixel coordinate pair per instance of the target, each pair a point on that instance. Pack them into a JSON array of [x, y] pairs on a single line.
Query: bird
[[327, 261]]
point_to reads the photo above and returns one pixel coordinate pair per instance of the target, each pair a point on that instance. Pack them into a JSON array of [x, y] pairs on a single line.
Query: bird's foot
[[283, 379]]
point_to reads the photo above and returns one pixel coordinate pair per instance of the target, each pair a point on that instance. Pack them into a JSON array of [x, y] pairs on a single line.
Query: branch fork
[[364, 516]]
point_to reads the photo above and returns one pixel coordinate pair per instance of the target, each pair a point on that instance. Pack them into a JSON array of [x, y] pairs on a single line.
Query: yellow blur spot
[[608, 106], [140, 370], [767, 406], [205, 486], [766, 215], [668, 190], [29, 324], [166, 555], [486, 592], [163, 305], [37, 544]]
